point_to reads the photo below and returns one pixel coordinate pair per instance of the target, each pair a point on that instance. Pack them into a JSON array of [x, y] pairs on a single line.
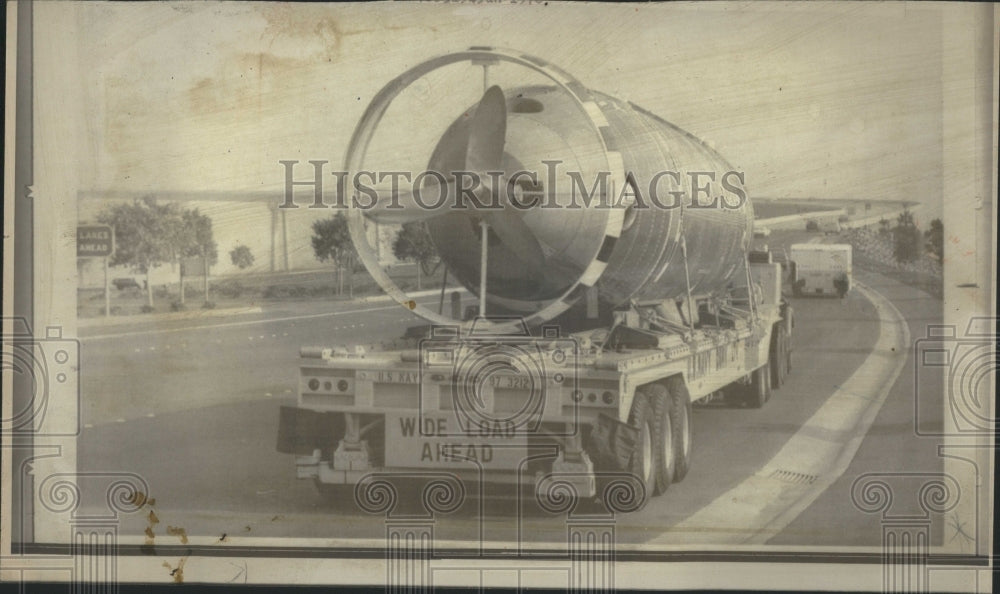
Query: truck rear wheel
[[788, 350], [760, 387], [664, 439], [776, 360], [680, 415], [644, 461], [786, 356]]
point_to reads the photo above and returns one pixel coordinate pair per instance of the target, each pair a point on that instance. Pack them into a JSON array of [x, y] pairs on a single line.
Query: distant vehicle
[[126, 283], [762, 232], [820, 269], [829, 227]]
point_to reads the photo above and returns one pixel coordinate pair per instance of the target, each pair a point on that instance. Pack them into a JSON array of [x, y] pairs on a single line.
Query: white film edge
[[541, 294]]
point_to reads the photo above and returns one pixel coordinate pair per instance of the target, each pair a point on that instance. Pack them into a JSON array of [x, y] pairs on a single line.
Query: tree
[[413, 242], [906, 238], [200, 241], [331, 241], [144, 234], [195, 239], [935, 239], [241, 257]]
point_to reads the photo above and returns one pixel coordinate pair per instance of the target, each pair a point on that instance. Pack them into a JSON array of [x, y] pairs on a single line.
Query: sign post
[[97, 241], [107, 290]]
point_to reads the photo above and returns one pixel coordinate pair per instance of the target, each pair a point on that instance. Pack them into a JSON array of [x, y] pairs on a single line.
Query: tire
[[680, 415], [664, 441], [788, 351], [775, 359], [643, 462], [785, 356], [759, 391]]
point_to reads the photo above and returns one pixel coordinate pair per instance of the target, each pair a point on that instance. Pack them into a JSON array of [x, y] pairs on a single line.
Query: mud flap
[[300, 431], [612, 443]]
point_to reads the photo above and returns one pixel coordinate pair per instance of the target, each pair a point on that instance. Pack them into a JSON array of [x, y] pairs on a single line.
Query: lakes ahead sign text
[[94, 241]]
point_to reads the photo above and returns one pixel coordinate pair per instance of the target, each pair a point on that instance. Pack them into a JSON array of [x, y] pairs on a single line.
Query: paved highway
[[193, 408]]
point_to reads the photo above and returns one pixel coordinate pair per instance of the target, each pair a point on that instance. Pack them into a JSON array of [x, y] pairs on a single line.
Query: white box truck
[[820, 269]]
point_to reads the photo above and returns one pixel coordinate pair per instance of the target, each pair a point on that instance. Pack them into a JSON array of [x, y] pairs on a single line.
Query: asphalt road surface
[[192, 407]]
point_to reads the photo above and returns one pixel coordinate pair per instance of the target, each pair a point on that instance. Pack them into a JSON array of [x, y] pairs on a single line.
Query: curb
[[413, 295], [232, 311], [165, 317]]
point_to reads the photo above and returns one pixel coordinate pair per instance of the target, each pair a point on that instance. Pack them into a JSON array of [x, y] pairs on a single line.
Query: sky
[[808, 99]]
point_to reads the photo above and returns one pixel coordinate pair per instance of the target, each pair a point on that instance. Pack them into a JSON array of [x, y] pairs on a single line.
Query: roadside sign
[[95, 241], [194, 266]]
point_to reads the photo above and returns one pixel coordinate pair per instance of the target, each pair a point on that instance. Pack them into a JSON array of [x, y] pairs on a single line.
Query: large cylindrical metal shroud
[[575, 248], [646, 263]]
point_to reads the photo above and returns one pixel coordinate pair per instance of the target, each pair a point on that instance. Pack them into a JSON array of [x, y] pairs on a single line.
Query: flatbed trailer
[[568, 410]]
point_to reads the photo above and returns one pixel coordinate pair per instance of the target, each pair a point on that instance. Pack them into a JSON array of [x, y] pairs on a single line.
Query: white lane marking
[[763, 505], [240, 324]]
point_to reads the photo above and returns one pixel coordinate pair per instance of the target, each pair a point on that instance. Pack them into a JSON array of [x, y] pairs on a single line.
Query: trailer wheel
[[664, 440], [680, 414], [776, 360], [644, 460], [760, 387], [786, 356]]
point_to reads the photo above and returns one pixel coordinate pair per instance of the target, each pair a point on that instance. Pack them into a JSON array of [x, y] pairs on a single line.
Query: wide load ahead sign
[[94, 241]]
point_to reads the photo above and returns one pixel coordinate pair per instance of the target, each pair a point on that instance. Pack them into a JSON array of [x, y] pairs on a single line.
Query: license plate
[[436, 440]]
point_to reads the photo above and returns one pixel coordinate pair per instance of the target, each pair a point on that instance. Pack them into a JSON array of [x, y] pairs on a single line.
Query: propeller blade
[[516, 236], [487, 132], [409, 209], [484, 153]]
